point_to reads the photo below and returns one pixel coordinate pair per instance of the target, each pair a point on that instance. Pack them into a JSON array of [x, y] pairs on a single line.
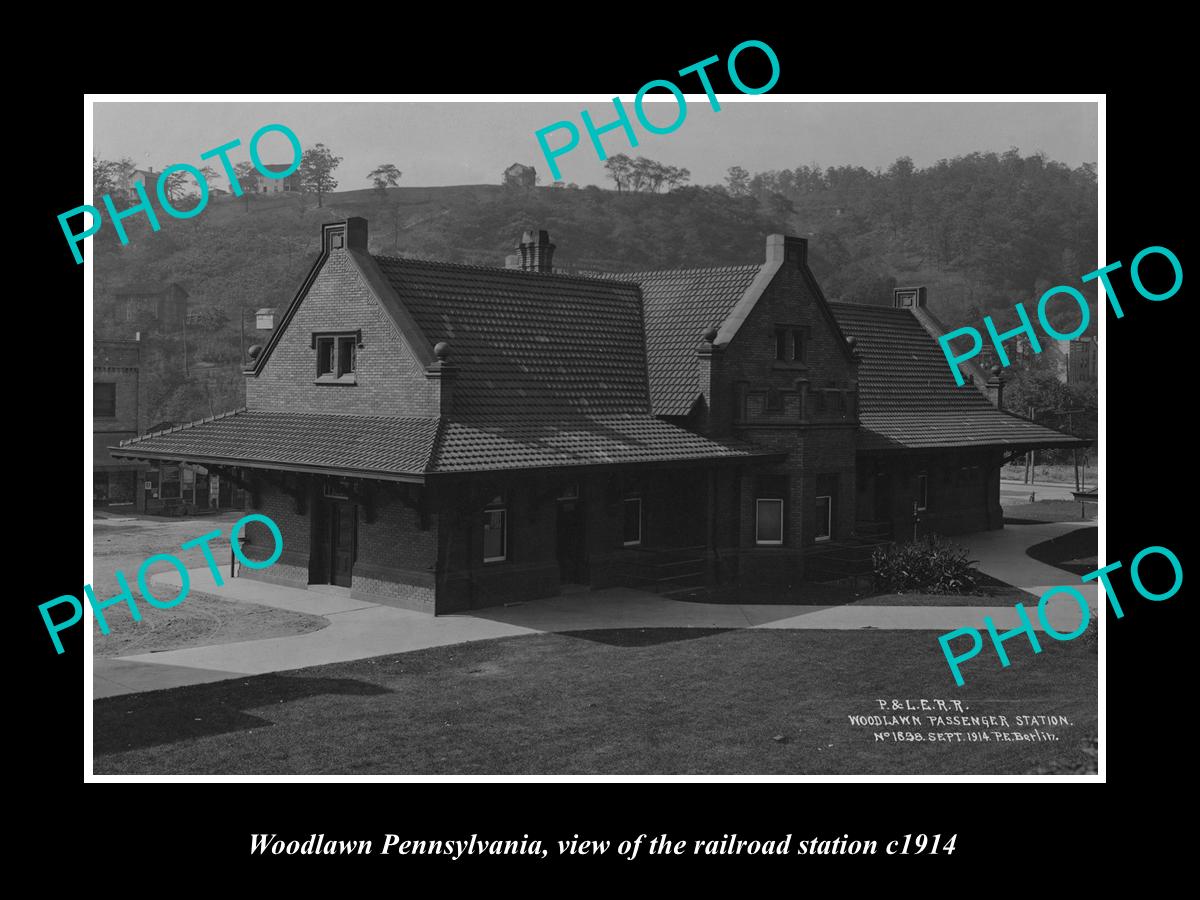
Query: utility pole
[[1029, 457]]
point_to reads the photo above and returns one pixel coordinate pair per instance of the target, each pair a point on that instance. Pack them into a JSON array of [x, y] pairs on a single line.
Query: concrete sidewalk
[[359, 629], [1002, 554]]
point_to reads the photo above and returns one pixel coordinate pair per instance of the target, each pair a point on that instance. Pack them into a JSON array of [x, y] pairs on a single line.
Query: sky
[[443, 143]]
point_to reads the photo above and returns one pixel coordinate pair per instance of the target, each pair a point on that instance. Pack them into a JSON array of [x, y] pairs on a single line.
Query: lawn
[[654, 701], [1055, 474], [1050, 511], [123, 543]]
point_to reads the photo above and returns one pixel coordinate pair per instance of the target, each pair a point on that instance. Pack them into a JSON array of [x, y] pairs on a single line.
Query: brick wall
[[819, 437], [389, 381], [292, 566], [396, 559], [963, 491]]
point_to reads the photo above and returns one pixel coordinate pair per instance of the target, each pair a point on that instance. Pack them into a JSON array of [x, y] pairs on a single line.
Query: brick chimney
[[536, 254], [348, 235], [906, 298], [995, 388]]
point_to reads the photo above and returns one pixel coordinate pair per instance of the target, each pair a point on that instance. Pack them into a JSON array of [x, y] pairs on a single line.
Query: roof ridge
[[732, 268], [174, 428], [475, 267]]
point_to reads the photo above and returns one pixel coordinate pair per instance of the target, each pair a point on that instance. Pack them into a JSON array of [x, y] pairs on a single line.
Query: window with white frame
[[768, 521], [827, 490], [495, 532]]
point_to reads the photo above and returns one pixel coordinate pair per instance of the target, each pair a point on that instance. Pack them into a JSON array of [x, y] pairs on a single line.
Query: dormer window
[[336, 357]]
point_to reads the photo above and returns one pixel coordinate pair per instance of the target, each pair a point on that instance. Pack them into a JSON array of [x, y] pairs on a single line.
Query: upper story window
[[104, 399], [800, 345], [336, 357], [791, 343]]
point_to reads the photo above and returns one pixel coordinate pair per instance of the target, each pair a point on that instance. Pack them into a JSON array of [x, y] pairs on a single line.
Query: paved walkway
[[359, 629], [1002, 555]]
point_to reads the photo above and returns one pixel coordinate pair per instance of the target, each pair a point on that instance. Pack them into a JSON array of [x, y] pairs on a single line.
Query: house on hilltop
[[442, 437]]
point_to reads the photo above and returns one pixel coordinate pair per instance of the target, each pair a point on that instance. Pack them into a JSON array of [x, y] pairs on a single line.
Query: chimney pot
[[787, 248], [909, 297]]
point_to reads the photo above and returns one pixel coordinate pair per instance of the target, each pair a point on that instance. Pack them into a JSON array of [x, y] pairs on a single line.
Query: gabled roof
[[907, 397], [680, 305], [409, 449], [529, 343]]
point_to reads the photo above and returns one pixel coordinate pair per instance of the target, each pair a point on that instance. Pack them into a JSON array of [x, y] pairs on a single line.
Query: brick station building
[[443, 437]]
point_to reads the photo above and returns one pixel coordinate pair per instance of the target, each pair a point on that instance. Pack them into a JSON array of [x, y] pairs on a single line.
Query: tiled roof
[[513, 442], [907, 397], [526, 342], [409, 447], [345, 444], [680, 305]]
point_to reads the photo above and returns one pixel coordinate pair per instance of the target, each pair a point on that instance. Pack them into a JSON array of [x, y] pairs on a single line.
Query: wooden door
[[342, 533], [570, 542]]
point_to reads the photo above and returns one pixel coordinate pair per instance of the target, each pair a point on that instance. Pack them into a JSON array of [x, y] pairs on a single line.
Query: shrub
[[930, 565]]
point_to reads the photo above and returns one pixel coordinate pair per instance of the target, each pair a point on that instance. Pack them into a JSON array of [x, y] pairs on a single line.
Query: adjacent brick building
[[115, 417], [442, 437]]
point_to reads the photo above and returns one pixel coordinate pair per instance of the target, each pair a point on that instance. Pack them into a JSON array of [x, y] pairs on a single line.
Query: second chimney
[[536, 254]]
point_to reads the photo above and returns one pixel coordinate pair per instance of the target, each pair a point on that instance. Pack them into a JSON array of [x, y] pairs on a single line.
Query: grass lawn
[[1075, 552], [1050, 511], [1058, 474], [123, 544], [655, 701]]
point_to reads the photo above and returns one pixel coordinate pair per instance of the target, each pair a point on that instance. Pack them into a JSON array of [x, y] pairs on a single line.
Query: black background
[[1001, 827]]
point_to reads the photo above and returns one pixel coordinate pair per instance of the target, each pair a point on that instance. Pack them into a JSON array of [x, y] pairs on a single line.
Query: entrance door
[[342, 528], [571, 568]]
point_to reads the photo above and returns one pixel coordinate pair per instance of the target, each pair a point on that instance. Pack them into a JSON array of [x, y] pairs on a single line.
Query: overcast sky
[[439, 143]]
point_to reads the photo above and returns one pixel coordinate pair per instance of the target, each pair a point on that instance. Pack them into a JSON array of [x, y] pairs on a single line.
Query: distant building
[[152, 308], [115, 417], [288, 185], [1083, 361], [264, 319], [518, 175]]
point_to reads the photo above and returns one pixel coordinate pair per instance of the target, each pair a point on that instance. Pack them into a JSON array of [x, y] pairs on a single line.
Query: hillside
[[981, 233]]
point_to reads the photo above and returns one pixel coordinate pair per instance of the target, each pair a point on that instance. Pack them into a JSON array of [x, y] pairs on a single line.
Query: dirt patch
[[199, 621]]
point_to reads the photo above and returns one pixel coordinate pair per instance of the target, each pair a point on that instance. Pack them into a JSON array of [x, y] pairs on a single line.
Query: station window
[[632, 533], [495, 532]]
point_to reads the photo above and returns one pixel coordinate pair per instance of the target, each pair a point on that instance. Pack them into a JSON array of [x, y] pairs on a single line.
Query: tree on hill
[[109, 176], [644, 175], [737, 181], [519, 176], [247, 176], [384, 176], [619, 169], [316, 171]]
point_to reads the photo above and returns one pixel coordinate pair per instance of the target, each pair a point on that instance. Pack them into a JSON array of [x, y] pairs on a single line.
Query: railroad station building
[[443, 437]]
